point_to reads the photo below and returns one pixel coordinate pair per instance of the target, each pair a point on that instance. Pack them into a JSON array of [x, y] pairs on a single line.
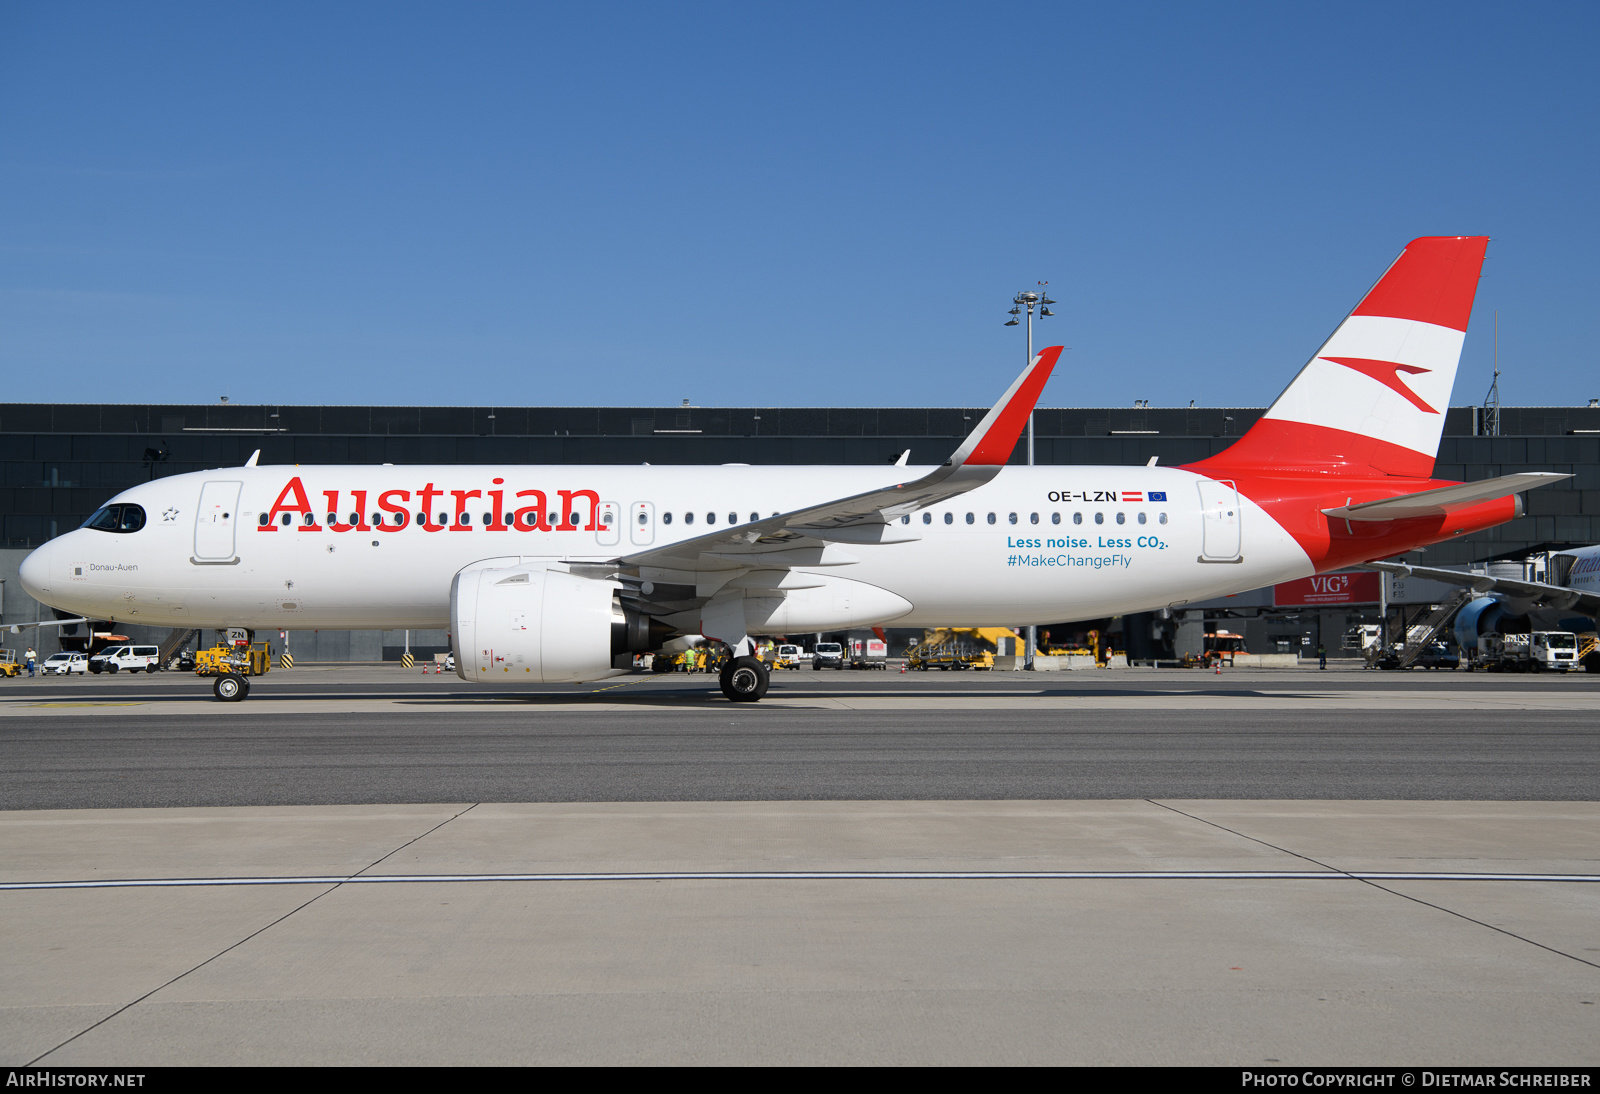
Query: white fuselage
[[1584, 575], [1036, 545]]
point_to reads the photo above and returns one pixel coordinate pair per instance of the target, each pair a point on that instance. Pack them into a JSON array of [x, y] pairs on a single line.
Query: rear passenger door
[[1220, 527]]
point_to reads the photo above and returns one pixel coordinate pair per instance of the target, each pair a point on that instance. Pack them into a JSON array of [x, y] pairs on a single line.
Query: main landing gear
[[744, 679], [230, 687]]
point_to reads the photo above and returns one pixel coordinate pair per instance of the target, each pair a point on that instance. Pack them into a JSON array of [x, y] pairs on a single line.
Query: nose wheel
[[230, 687], [744, 679]]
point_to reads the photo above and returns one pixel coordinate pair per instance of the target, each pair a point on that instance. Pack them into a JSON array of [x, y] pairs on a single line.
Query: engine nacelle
[[536, 624], [1481, 616]]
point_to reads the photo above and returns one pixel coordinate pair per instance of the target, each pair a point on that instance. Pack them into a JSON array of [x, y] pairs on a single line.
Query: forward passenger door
[[215, 521]]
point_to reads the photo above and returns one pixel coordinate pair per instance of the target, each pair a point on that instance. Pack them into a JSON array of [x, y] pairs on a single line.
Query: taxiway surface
[[382, 735]]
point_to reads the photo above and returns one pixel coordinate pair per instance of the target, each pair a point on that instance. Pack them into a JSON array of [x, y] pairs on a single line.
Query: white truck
[[1540, 651]]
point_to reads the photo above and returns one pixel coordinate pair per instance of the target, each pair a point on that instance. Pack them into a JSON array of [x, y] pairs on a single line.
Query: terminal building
[[62, 461]]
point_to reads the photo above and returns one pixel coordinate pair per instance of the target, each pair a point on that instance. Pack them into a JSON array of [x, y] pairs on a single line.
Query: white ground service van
[[126, 659]]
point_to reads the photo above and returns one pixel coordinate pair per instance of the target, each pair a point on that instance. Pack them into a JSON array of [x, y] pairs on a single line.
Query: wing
[[867, 517], [758, 557], [1559, 597], [17, 628]]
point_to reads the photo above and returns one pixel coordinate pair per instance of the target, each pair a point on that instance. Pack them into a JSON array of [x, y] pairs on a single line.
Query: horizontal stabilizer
[[1432, 503]]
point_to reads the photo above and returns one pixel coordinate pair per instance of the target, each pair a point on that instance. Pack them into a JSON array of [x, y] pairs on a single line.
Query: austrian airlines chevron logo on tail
[[1386, 373]]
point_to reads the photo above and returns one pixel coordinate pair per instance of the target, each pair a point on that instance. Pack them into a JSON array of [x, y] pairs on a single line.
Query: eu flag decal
[[1157, 495]]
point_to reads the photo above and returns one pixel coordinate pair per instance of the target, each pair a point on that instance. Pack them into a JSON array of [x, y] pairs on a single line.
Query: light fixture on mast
[[1030, 299]]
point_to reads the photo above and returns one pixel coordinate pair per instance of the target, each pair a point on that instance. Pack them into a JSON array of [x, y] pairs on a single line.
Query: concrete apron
[[1209, 932]]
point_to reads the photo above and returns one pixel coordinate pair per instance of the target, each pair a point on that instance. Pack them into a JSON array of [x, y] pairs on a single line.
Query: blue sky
[[763, 204]]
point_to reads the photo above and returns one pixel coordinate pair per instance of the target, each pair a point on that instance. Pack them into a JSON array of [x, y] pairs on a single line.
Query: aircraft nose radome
[[35, 572]]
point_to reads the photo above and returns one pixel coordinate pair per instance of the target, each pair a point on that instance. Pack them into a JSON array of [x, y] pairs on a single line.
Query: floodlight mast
[[1027, 300]]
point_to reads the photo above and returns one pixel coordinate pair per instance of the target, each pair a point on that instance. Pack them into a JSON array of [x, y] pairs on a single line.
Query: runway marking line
[[625, 683], [817, 875], [107, 703]]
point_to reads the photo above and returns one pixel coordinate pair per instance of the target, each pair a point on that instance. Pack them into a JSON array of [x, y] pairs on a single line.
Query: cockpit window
[[116, 518]]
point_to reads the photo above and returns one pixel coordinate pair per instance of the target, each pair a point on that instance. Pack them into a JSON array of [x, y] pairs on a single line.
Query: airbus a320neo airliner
[[561, 573]]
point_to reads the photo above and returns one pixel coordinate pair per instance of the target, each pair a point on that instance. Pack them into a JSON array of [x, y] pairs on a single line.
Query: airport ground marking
[[88, 704], [332, 883], [1377, 880], [1328, 874], [625, 683]]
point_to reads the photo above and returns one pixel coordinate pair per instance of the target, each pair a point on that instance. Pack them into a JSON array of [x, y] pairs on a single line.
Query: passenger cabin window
[[1077, 518], [666, 518], [1162, 519], [754, 517], [1033, 518], [643, 519], [971, 519], [927, 518], [1122, 518], [1141, 518], [733, 518], [688, 518], [991, 518], [1055, 518], [711, 518], [949, 518], [288, 518], [121, 519], [1099, 518], [262, 520]]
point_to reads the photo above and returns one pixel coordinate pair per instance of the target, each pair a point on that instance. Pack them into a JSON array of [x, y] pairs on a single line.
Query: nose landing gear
[[230, 687]]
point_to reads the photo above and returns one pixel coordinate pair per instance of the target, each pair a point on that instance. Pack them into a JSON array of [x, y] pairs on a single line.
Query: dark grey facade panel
[[61, 461]]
